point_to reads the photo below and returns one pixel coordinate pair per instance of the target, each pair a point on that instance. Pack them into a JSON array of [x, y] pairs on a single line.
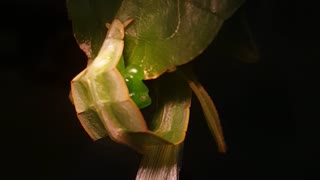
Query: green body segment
[[133, 76]]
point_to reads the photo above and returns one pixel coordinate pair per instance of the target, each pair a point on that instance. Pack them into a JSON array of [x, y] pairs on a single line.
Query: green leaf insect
[[147, 39], [104, 106]]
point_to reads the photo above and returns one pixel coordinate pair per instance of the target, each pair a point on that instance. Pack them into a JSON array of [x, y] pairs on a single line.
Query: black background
[[43, 138]]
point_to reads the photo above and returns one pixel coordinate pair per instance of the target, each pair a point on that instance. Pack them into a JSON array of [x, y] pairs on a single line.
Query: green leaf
[[163, 35], [169, 33], [172, 107]]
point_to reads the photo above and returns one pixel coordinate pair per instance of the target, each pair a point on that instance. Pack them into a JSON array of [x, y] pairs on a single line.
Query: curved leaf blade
[[167, 33], [164, 34]]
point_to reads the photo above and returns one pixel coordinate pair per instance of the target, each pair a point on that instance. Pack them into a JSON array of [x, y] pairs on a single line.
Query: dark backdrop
[[43, 138]]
